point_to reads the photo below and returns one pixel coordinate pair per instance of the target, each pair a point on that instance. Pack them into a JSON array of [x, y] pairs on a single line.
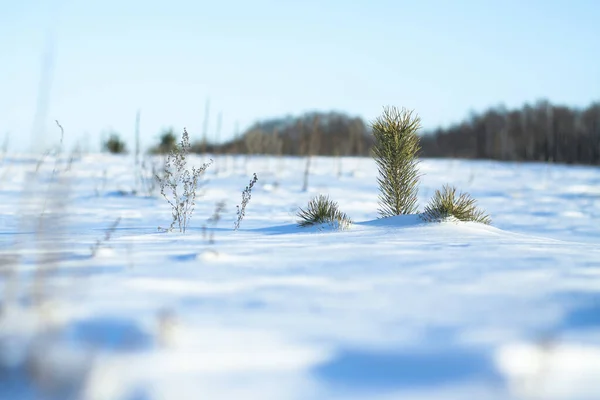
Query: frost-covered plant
[[213, 220], [107, 235], [395, 150], [445, 203], [246, 195], [147, 177], [321, 209], [179, 185]]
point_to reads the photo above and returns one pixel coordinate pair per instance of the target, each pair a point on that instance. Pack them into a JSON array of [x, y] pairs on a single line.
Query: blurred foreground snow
[[388, 309]]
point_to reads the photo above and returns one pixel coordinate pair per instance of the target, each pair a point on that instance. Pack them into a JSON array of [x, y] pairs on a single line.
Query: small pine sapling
[[114, 144], [396, 149], [445, 204], [322, 210]]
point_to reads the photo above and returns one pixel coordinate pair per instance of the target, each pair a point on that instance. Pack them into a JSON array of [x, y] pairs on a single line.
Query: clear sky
[[92, 64]]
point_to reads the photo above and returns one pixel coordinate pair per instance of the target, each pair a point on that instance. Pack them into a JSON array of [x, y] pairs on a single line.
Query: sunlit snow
[[390, 308]]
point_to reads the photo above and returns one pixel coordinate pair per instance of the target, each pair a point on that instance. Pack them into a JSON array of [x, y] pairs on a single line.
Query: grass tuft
[[321, 209], [446, 203]]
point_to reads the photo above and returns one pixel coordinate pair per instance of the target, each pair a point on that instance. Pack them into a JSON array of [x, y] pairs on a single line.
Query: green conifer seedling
[[396, 150]]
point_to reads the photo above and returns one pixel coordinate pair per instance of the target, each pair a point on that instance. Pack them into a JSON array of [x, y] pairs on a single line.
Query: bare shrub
[[246, 195], [179, 185]]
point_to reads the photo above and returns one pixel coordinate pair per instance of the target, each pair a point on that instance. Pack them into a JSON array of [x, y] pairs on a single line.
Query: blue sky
[[106, 59]]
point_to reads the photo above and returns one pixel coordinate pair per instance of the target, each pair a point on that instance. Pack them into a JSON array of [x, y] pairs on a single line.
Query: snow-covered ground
[[391, 308]]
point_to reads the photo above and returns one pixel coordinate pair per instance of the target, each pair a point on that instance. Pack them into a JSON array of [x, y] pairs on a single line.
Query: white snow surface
[[390, 308]]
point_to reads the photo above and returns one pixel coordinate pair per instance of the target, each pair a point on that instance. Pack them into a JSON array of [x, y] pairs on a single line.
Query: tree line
[[314, 133], [536, 132]]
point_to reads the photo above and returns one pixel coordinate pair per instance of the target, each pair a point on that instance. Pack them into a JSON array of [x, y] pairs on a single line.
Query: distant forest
[[538, 132], [315, 133]]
